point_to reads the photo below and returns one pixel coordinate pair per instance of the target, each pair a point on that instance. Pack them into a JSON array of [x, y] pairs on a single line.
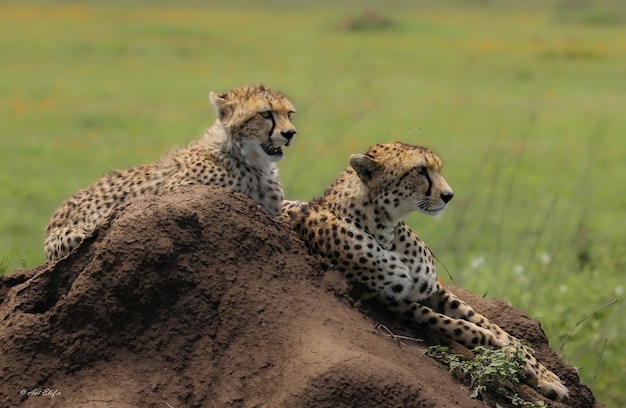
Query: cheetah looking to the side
[[357, 227], [238, 152]]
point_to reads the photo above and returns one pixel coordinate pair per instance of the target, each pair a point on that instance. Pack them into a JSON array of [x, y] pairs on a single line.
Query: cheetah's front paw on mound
[[549, 384]]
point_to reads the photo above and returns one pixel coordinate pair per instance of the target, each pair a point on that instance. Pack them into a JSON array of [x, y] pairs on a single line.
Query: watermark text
[[40, 392]]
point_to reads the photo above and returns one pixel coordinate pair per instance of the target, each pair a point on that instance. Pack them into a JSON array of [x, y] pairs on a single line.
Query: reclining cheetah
[[237, 152], [357, 227]]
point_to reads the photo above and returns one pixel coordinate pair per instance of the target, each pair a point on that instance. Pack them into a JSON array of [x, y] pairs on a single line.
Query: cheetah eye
[[290, 114], [422, 170], [266, 114]]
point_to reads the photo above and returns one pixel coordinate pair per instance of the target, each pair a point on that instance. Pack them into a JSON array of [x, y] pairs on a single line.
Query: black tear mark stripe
[[273, 126], [430, 184], [273, 123]]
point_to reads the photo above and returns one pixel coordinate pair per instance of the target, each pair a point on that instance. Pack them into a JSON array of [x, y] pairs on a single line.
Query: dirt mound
[[199, 299]]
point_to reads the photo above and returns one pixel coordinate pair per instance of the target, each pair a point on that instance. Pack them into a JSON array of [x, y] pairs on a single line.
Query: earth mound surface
[[200, 299]]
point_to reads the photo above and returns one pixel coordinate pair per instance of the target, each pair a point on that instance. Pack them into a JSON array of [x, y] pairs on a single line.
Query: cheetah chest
[[263, 187]]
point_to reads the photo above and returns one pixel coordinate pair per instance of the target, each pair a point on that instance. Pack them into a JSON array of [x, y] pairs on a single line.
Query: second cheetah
[[356, 226], [238, 152]]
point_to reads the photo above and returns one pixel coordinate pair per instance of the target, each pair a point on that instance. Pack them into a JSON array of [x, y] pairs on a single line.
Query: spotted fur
[[238, 153], [356, 226]]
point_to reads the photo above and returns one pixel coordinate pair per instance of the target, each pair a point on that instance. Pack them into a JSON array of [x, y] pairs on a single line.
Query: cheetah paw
[[550, 385]]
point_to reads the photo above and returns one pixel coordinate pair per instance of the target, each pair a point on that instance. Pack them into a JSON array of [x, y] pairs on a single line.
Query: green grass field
[[526, 105]]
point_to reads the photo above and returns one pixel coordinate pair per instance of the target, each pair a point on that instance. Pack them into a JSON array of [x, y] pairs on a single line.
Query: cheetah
[[356, 227], [238, 153]]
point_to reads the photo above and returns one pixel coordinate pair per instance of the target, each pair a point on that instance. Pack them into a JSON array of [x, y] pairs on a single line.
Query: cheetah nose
[[288, 134], [447, 196]]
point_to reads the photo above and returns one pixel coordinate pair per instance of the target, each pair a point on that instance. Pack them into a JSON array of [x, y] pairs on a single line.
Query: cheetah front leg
[[537, 375], [430, 305], [448, 304]]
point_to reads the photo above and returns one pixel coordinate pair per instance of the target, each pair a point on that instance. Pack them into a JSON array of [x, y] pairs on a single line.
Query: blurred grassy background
[[524, 102]]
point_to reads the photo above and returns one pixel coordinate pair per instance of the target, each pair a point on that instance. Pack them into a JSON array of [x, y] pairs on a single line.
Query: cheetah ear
[[220, 104], [365, 166]]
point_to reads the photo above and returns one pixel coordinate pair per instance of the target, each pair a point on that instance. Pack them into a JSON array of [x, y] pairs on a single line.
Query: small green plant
[[368, 295], [492, 371]]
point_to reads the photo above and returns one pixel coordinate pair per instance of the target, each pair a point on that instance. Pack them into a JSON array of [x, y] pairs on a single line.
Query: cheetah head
[[258, 119], [402, 178]]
